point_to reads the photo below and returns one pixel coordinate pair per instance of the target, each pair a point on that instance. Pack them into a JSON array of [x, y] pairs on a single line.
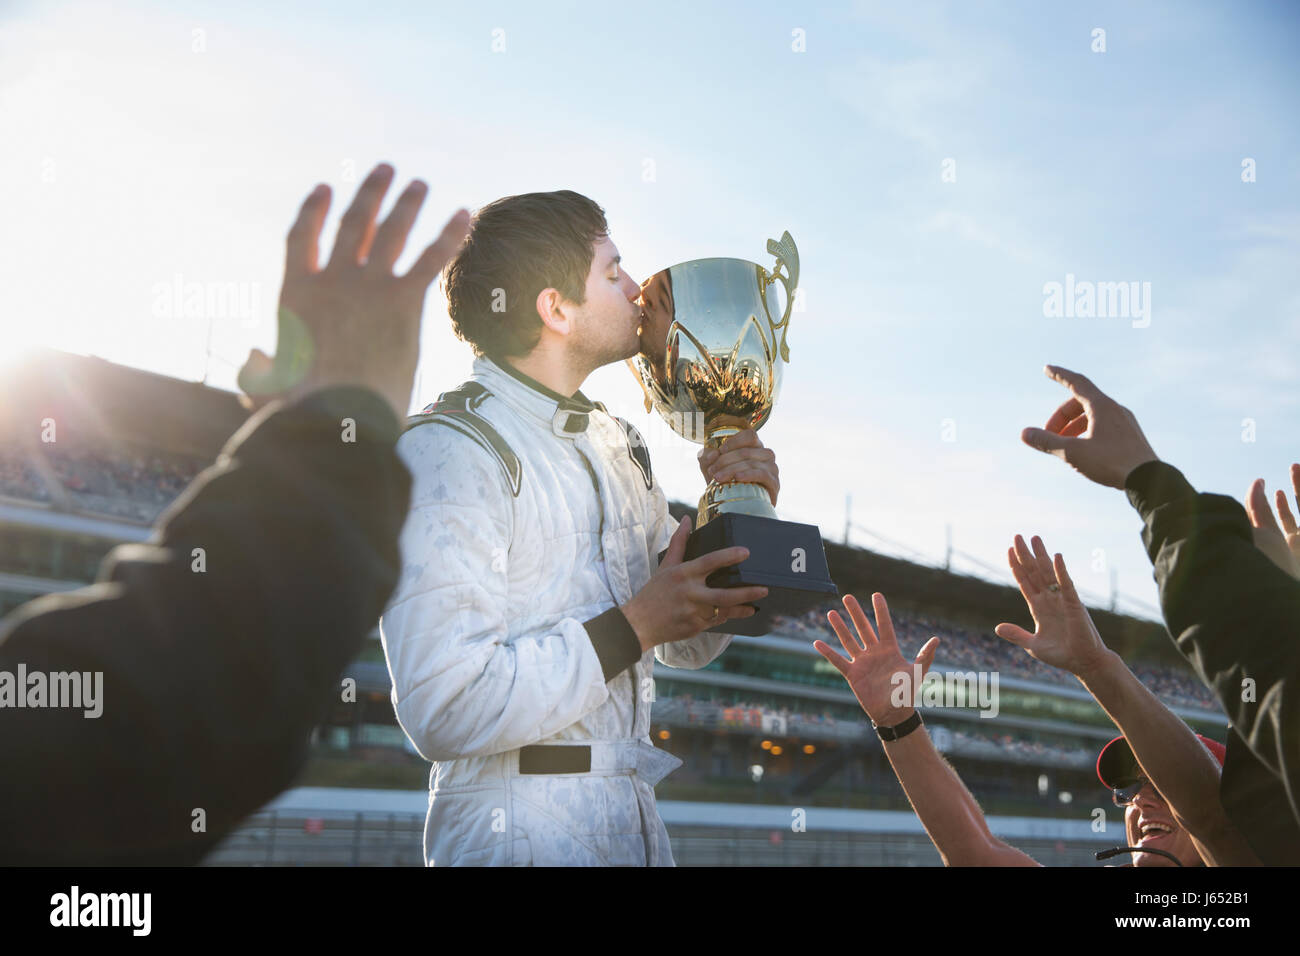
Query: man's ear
[[556, 314]]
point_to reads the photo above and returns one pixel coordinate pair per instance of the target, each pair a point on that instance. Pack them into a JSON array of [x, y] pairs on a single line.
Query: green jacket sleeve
[[1232, 613], [220, 642]]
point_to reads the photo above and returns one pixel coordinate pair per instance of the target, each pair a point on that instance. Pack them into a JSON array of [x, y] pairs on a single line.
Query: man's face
[[1148, 822], [657, 307], [606, 323]]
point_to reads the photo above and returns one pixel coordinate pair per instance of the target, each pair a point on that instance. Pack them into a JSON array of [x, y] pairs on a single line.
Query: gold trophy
[[710, 364]]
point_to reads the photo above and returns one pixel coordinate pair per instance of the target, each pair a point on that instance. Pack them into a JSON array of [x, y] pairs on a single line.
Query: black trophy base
[[784, 556]]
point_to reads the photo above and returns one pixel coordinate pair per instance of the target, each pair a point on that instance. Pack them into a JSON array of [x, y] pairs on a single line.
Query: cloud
[[966, 228], [910, 99]]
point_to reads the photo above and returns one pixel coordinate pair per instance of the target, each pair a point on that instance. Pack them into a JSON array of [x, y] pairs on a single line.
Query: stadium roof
[[115, 403]]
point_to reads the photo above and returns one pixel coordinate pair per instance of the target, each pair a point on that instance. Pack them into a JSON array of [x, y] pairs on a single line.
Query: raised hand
[[1091, 432], [353, 322], [882, 680], [1282, 544], [1289, 523], [1064, 635], [742, 457]]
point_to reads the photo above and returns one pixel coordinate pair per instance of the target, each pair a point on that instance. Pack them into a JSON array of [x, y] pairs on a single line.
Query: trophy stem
[[734, 497]]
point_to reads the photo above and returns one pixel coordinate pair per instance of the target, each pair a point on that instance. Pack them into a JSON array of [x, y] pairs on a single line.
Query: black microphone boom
[[1117, 850]]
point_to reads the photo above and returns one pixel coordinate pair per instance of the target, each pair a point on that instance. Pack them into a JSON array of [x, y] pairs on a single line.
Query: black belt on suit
[[556, 759]]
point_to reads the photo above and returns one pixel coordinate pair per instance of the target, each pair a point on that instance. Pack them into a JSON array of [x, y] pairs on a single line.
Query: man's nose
[[1147, 796], [631, 287]]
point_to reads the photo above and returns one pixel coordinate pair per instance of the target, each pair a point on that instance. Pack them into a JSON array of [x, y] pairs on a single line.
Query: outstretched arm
[[884, 684], [1231, 610], [1228, 606], [213, 673], [221, 639], [1184, 772]]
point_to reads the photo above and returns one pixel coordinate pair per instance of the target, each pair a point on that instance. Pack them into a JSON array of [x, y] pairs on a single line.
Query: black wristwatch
[[898, 731]]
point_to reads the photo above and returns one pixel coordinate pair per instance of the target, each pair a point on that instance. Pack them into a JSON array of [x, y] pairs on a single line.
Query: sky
[[939, 165]]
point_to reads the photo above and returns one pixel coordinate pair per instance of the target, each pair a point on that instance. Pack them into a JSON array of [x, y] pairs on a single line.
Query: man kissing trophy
[[543, 577]]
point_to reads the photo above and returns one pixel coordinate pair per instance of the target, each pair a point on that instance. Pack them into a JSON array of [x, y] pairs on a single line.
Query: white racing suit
[[533, 517]]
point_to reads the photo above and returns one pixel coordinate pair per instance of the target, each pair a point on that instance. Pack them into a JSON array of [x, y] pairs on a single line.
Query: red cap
[[1117, 767]]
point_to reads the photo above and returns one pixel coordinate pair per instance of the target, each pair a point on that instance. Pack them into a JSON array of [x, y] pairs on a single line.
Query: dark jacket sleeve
[[221, 641], [1236, 617]]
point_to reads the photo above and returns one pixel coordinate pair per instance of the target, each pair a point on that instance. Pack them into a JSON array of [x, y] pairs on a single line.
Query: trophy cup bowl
[[713, 347]]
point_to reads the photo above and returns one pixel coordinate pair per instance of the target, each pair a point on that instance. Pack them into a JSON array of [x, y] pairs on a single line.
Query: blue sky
[[156, 145]]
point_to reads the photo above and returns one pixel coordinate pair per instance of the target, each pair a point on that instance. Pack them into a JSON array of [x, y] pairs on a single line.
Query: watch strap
[[899, 731]]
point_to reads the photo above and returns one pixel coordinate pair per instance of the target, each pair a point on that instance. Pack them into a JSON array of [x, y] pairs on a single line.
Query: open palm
[[1064, 635], [874, 662], [1281, 544], [353, 321]]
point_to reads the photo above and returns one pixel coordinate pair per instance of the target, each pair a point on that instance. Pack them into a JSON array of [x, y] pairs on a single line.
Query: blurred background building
[[780, 763]]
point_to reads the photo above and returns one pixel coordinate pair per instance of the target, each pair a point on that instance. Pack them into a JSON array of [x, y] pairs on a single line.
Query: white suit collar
[[566, 417]]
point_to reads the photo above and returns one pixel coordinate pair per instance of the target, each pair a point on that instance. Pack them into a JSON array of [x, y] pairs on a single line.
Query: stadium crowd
[[963, 649], [19, 480], [120, 481], [762, 718]]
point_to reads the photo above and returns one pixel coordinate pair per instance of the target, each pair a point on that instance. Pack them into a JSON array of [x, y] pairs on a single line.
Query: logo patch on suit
[[636, 447]]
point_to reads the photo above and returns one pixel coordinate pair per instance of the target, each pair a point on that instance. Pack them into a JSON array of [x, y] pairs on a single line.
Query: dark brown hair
[[520, 245]]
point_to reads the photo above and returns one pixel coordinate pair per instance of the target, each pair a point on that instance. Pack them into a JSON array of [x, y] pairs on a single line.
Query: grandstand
[[90, 454], [766, 730]]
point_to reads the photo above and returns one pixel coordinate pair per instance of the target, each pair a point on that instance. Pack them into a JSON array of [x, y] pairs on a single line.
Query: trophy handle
[[787, 257]]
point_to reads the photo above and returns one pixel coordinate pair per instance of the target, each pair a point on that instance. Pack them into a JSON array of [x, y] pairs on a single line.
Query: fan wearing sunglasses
[[1154, 837]]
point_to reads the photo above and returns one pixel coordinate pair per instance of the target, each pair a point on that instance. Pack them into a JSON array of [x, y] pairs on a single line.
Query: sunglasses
[[1123, 796]]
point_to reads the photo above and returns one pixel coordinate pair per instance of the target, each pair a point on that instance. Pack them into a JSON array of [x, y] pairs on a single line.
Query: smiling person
[[532, 606], [1151, 827], [1182, 813]]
